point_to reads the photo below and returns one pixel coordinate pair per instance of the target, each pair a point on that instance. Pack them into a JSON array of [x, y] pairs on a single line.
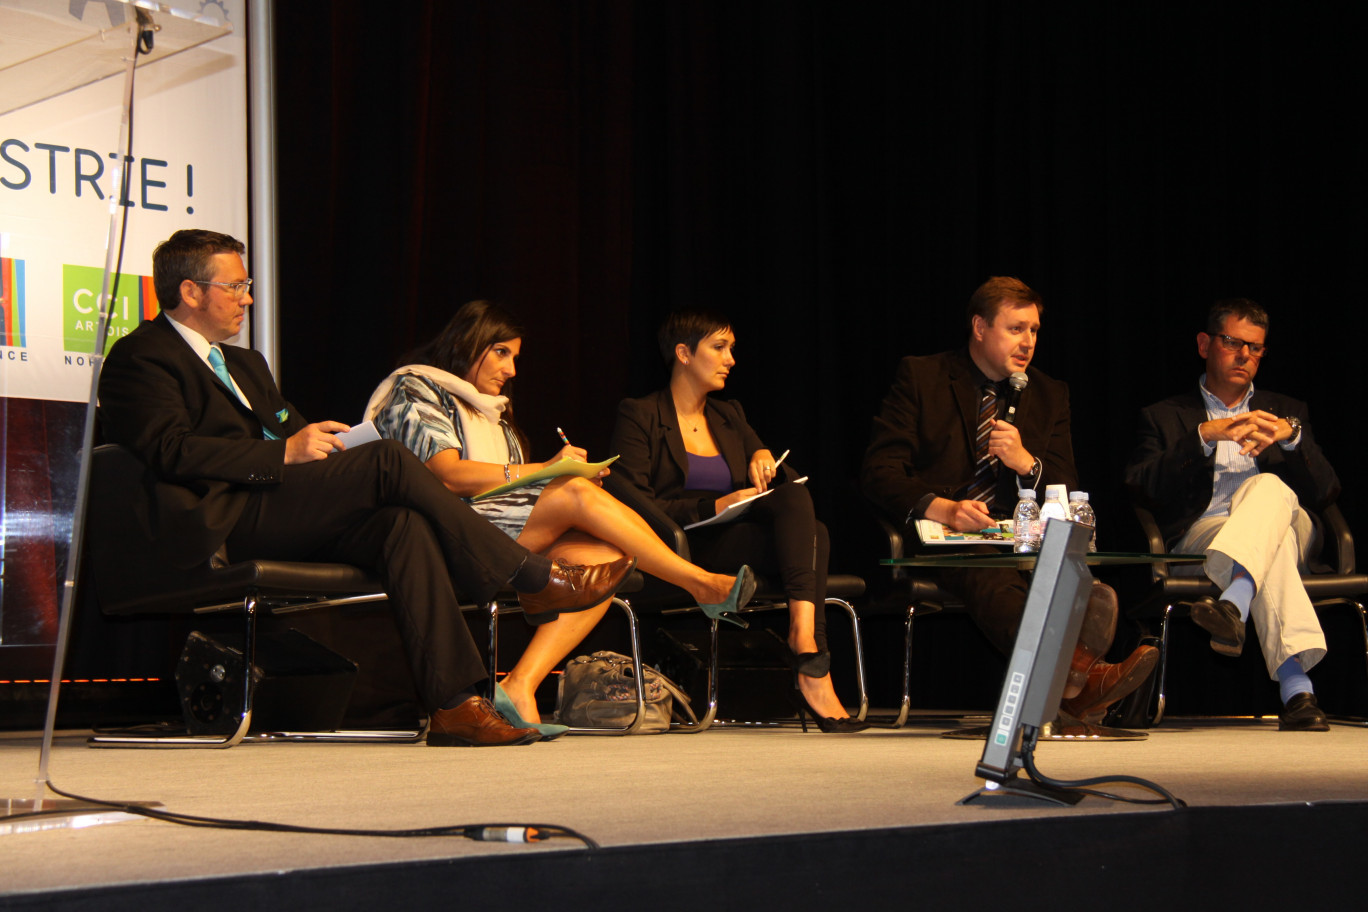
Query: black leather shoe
[[574, 587], [1221, 620], [1303, 714]]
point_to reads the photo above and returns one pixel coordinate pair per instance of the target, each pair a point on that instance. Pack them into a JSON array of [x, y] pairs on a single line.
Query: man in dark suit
[[1226, 470], [230, 463], [941, 451]]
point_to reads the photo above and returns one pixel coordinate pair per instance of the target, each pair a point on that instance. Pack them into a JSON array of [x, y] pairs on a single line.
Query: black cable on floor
[[1081, 785], [480, 832]]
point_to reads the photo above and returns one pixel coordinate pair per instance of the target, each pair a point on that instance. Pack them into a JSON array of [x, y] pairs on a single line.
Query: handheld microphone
[[1017, 382]]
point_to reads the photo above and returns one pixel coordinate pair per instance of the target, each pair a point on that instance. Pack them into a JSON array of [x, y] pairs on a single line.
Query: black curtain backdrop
[[837, 177]]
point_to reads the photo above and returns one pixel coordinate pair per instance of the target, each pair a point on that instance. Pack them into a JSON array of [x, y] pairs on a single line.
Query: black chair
[[913, 596], [670, 600], [1330, 580], [128, 579]]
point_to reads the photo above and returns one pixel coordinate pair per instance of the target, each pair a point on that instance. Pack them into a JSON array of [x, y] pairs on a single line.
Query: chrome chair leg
[[634, 636], [906, 707], [249, 610], [1161, 700], [859, 653]]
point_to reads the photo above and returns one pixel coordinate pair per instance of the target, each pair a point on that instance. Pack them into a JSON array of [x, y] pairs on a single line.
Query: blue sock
[[1240, 591], [1292, 680]]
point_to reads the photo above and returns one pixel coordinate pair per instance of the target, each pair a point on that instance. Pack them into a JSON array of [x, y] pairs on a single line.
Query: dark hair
[[461, 344], [1240, 309], [186, 255], [987, 299], [688, 327]]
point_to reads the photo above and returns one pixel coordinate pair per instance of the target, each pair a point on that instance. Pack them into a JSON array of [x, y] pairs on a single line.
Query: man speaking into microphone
[[941, 450]]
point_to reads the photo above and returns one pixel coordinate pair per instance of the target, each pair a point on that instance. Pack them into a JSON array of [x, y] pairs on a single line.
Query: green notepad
[[554, 470]]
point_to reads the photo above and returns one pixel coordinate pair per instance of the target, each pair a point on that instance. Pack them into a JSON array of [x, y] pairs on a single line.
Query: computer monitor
[[1039, 665]]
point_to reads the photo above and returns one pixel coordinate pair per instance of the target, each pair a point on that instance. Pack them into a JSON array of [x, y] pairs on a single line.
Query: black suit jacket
[[923, 439], [203, 448], [1171, 475], [653, 458]]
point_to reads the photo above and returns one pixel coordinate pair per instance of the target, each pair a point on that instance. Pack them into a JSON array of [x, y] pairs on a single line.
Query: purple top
[[708, 473]]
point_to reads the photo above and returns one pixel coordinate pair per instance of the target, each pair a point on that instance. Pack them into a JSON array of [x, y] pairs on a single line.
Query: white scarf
[[484, 437]]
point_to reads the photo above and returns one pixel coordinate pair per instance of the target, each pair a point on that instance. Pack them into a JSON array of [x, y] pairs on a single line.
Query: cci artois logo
[[12, 302], [133, 301]]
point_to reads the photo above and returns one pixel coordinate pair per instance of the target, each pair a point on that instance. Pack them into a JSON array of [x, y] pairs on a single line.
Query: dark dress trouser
[[381, 509], [779, 536]]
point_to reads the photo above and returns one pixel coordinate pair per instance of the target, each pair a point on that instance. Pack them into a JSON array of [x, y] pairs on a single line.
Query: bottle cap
[[1056, 492], [1078, 495], [1027, 493]]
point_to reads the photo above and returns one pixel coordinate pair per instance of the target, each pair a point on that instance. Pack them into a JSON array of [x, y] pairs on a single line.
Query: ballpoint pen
[[565, 440], [780, 461]]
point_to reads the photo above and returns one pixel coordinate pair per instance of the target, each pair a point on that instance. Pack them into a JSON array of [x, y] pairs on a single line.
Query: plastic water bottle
[[1056, 505], [1026, 522], [1081, 511]]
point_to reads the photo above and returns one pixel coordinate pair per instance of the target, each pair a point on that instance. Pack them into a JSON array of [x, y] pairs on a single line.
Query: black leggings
[[778, 537]]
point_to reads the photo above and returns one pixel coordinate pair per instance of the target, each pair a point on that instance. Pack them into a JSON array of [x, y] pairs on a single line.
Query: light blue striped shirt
[[1232, 469]]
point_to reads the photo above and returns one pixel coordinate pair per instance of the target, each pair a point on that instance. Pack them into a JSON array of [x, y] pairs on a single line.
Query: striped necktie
[[221, 369], [984, 485]]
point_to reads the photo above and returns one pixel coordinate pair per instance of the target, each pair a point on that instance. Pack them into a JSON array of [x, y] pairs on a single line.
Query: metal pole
[[96, 358]]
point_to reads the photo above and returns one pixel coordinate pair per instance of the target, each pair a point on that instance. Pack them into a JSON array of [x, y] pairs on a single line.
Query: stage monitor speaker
[[298, 684]]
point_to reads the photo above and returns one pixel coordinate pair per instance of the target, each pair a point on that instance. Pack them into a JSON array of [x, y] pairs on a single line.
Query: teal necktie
[[221, 369]]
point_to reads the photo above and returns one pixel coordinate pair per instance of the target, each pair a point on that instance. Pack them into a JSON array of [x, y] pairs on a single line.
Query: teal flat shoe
[[549, 731], [740, 595]]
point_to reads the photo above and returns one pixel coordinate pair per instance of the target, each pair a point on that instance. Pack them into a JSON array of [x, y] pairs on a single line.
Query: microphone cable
[[479, 832]]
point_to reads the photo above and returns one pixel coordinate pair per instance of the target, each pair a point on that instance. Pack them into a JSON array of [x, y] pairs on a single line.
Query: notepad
[[737, 509], [554, 470], [933, 533]]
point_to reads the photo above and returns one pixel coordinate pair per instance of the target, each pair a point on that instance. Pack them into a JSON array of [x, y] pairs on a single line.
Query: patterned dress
[[428, 417]]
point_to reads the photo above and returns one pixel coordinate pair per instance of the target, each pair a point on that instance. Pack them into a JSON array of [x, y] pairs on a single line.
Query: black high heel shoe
[[815, 665], [828, 724]]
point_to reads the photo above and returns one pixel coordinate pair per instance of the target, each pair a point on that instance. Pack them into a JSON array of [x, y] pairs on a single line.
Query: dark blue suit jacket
[[1171, 475]]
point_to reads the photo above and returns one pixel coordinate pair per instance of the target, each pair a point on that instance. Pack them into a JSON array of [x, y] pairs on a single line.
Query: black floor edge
[[1259, 856]]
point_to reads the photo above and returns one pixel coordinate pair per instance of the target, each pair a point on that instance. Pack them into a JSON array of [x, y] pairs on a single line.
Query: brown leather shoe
[[1095, 637], [1108, 683], [475, 723], [575, 587]]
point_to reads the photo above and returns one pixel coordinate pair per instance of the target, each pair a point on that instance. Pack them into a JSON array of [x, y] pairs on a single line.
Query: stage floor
[[722, 784]]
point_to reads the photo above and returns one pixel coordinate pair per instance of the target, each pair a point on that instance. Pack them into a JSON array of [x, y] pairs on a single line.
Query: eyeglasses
[[236, 289], [1231, 344]]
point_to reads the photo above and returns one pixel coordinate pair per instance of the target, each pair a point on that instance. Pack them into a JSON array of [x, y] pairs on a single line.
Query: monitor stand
[[1019, 792]]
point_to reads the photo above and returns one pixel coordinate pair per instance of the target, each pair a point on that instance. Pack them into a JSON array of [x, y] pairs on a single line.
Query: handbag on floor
[[599, 691]]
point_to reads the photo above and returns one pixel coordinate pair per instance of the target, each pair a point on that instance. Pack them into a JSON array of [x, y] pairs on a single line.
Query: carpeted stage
[[730, 818]]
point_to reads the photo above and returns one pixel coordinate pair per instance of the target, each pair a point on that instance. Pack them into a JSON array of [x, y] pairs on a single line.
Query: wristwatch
[[1295, 424]]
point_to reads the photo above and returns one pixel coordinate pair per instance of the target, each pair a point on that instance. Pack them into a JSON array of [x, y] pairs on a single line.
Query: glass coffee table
[[1064, 727]]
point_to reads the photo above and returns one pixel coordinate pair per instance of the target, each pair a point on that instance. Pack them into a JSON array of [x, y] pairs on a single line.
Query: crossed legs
[[577, 521], [1269, 534]]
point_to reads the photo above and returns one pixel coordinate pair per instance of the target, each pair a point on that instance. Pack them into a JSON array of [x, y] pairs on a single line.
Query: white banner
[[58, 174]]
